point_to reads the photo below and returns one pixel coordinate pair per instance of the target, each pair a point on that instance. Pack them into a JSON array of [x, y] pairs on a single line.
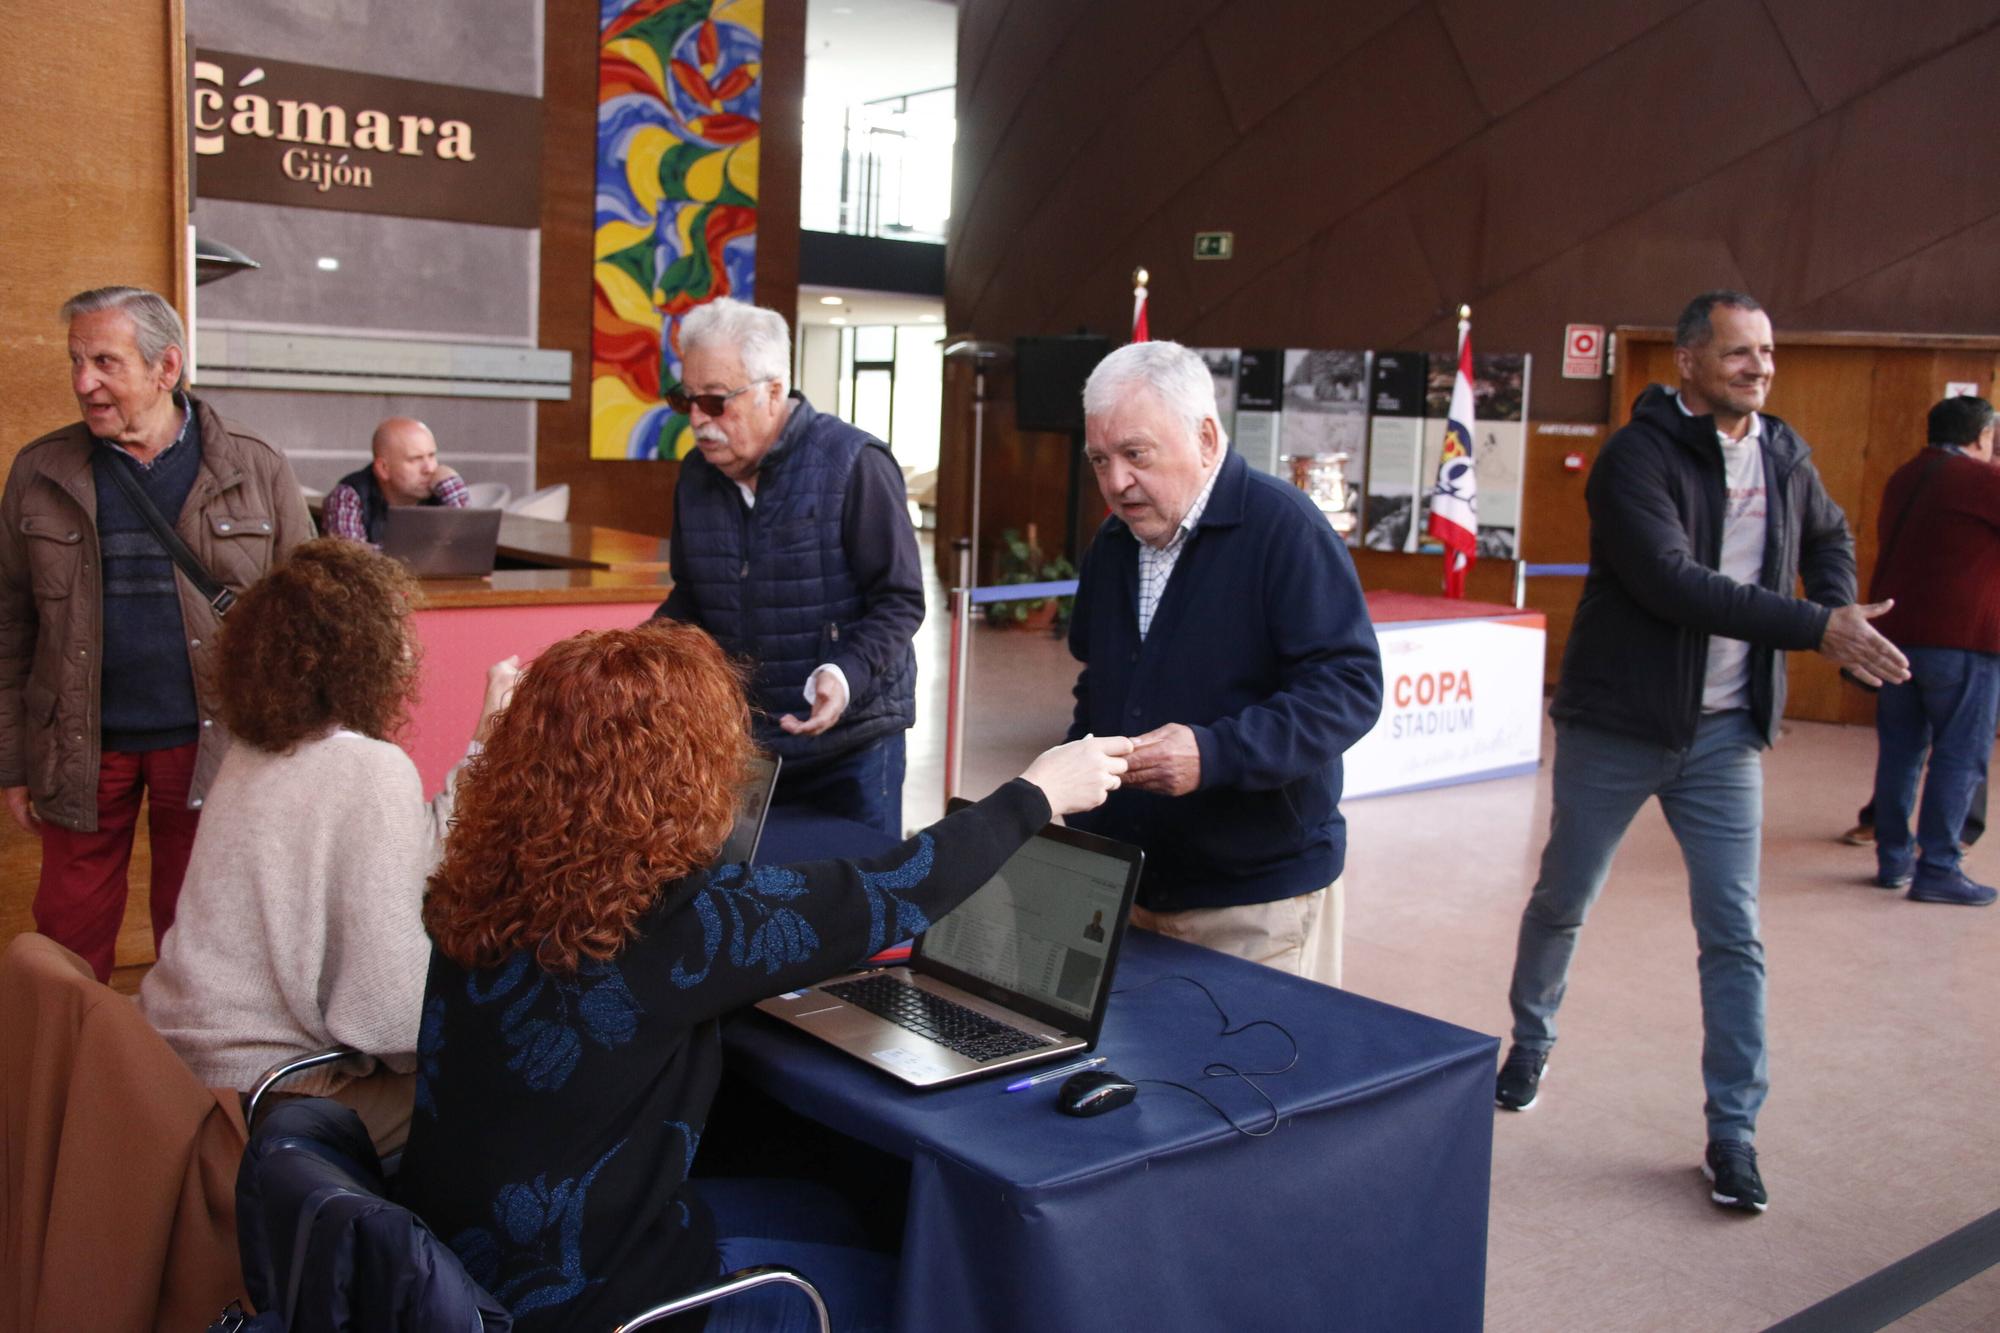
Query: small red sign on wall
[[1583, 352]]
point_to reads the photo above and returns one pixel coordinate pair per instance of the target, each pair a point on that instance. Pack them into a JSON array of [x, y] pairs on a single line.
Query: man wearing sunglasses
[[792, 545]]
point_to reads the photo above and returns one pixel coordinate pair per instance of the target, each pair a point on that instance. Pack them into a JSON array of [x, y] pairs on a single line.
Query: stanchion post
[[1520, 584], [961, 667]]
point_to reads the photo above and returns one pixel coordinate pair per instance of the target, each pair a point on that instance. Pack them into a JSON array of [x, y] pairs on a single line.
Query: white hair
[[757, 335], [156, 324], [1176, 376]]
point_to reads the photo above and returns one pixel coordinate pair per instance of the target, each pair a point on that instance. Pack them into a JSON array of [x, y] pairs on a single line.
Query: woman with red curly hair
[[585, 951], [299, 926]]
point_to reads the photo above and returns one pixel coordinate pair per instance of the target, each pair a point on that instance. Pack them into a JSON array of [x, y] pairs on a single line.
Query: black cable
[[1221, 1069]]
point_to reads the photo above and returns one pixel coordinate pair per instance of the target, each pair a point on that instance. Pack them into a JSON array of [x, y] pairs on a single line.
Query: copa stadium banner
[[1461, 701], [679, 96]]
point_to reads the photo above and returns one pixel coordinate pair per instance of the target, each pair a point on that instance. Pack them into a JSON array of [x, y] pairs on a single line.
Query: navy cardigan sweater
[[1262, 646]]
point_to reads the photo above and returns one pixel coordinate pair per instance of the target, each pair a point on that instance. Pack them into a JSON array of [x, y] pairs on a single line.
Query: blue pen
[[1043, 1077]]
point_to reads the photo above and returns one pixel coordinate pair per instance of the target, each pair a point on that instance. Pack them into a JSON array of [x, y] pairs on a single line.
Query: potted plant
[[1021, 561]]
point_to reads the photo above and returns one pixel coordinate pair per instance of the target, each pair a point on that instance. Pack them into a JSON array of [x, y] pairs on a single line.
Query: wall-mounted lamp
[[215, 260]]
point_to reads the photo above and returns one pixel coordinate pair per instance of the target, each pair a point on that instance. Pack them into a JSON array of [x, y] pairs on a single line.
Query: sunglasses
[[711, 404]]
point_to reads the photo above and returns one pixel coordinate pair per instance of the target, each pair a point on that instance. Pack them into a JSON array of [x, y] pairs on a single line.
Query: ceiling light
[[327, 263], [836, 320], [927, 319], [829, 300]]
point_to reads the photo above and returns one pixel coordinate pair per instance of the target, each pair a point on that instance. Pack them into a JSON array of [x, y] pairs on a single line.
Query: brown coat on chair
[[118, 1210]]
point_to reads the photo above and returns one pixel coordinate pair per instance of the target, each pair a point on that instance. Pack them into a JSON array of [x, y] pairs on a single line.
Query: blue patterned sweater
[[557, 1116]]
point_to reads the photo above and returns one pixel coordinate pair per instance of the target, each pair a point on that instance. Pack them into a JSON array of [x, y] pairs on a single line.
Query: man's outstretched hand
[[1851, 642]]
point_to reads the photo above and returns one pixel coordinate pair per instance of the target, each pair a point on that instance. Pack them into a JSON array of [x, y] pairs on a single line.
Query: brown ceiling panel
[[1143, 149], [1845, 47], [1102, 61], [1631, 129], [1398, 102], [1265, 51], [1517, 49], [1271, 309], [1368, 276], [1951, 286], [1891, 155], [1000, 110]]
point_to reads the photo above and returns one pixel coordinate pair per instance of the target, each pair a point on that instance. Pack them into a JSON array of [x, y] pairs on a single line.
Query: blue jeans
[[1713, 796], [803, 1226], [1949, 704], [864, 785]]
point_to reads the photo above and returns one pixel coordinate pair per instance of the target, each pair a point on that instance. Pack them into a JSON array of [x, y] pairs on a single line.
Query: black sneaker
[[1732, 1165], [1520, 1080]]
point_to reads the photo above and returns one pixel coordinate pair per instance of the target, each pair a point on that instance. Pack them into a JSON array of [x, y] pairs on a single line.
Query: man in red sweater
[[1939, 559]]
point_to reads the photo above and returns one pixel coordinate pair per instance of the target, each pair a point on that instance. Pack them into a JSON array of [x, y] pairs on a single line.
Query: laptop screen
[[753, 802], [1042, 935]]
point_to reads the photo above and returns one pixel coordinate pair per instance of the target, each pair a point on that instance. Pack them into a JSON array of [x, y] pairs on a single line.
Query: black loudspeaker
[[1048, 380]]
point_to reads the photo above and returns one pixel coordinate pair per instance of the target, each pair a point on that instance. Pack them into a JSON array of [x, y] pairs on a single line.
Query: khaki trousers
[[1299, 935]]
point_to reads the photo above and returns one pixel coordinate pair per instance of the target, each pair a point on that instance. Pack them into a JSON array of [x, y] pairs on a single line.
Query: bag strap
[[1931, 465], [219, 597]]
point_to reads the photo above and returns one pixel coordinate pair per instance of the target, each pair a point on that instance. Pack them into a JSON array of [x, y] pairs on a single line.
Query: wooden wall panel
[[84, 209], [614, 492]]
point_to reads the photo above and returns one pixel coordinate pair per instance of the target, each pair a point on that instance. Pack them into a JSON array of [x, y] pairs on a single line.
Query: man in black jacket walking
[[1702, 513]]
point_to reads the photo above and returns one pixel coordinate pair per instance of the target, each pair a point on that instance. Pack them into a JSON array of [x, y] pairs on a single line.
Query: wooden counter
[[551, 545], [548, 587]]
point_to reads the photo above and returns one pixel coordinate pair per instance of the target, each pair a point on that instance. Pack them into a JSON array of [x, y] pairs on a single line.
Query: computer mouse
[[1095, 1091]]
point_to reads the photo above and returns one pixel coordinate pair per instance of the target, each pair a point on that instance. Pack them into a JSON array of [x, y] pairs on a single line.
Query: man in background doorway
[[1940, 563]]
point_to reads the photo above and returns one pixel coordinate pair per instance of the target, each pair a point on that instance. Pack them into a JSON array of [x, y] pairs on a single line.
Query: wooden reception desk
[[555, 580]]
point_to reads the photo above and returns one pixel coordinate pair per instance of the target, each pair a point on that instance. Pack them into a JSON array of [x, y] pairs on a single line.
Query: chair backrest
[[117, 1210], [322, 1243], [488, 494], [550, 502]]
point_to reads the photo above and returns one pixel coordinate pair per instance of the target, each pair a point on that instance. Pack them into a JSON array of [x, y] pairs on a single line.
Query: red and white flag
[[1455, 498], [1140, 333]]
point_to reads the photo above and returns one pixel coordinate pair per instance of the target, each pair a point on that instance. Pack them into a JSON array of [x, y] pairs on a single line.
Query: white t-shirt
[[1744, 517]]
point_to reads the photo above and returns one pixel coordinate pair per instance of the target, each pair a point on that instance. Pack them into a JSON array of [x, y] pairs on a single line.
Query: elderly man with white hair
[[792, 545], [1220, 624]]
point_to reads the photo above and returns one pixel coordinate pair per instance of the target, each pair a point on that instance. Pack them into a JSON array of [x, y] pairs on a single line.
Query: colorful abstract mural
[[678, 90]]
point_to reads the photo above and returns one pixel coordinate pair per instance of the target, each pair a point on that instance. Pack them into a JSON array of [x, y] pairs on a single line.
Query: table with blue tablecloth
[[1364, 1208]]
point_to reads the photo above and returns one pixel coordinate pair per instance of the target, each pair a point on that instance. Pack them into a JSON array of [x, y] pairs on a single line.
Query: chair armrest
[[731, 1284], [283, 1070]]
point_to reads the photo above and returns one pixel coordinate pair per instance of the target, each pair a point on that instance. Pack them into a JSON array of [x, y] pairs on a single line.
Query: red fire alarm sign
[[1583, 352]]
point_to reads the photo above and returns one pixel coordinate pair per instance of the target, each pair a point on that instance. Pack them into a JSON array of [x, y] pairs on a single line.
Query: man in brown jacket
[[107, 668]]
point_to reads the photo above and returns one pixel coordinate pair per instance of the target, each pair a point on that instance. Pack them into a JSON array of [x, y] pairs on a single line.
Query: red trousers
[[80, 901]]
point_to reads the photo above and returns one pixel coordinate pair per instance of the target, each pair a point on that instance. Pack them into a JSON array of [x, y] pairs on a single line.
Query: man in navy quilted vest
[[792, 545]]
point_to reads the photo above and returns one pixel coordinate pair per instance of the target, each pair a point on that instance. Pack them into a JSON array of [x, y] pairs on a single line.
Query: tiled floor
[[1880, 1135]]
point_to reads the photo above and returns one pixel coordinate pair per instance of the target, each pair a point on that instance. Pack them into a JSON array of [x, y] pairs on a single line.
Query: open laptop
[[753, 803], [1017, 974], [440, 542]]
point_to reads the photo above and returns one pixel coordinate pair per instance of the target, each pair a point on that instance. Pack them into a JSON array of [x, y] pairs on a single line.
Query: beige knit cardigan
[[300, 922]]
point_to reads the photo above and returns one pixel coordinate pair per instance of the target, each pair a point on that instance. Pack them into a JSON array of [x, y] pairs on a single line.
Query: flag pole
[[1141, 332]]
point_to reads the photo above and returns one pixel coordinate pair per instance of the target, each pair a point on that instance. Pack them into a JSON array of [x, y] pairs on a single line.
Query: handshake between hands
[[1078, 776]]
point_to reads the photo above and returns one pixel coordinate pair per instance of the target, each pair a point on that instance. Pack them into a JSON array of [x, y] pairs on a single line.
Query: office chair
[[488, 494], [324, 1247]]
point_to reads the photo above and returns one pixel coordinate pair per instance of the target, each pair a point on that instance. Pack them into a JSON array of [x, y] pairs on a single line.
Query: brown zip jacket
[[243, 515]]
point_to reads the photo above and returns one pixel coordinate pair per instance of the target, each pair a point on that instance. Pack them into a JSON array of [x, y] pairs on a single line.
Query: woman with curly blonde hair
[[586, 949], [299, 926]]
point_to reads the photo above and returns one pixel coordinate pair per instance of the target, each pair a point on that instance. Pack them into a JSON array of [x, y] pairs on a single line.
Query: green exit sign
[[1214, 244]]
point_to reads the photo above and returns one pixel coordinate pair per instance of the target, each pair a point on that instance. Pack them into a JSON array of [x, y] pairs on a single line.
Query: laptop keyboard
[[966, 1031]]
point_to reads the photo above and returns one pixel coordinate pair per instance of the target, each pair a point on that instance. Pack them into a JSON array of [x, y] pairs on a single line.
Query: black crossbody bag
[[219, 597]]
